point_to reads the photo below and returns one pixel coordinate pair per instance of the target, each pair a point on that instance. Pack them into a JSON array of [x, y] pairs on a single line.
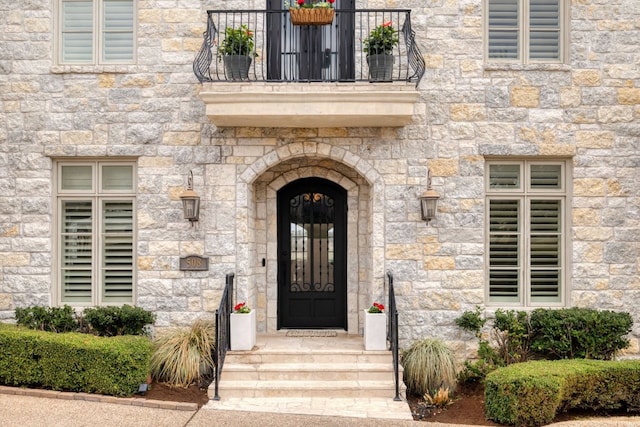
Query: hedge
[[73, 361], [532, 393]]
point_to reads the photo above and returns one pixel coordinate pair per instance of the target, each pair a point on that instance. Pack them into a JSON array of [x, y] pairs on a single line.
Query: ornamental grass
[[183, 356], [429, 365]]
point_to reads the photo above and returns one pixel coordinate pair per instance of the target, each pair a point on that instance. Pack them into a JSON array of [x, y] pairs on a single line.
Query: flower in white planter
[[243, 327], [376, 308], [375, 328], [241, 307]]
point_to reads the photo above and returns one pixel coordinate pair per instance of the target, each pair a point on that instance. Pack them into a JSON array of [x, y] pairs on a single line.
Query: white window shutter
[[117, 250], [77, 31], [504, 250], [117, 37], [544, 250], [544, 30], [504, 31], [77, 251]]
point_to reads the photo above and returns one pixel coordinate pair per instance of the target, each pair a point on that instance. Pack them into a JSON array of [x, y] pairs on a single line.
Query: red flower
[[300, 2], [387, 24], [331, 1], [379, 306], [238, 306]]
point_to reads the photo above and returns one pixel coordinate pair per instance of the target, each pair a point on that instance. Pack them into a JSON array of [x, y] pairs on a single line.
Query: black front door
[[312, 258]]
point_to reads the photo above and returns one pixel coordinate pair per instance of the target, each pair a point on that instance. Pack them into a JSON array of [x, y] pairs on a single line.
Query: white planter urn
[[243, 330], [375, 331]]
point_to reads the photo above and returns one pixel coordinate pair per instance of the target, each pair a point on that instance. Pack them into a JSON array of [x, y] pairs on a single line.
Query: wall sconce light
[[429, 202], [190, 201]]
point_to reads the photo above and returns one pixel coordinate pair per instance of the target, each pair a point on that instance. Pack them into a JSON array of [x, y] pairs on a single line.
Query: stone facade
[[587, 110]]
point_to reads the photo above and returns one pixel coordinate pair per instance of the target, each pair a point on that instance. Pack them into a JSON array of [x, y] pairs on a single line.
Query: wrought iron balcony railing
[[280, 51]]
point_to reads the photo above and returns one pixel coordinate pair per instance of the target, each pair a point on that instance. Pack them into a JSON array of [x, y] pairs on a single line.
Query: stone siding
[[587, 110]]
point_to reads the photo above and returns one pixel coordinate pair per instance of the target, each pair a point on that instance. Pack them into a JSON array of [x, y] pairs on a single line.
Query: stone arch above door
[[256, 204]]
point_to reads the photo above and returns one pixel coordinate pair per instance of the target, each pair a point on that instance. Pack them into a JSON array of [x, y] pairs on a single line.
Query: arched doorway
[[312, 254]]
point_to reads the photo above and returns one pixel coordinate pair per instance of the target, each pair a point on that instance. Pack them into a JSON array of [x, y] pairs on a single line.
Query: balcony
[[308, 75]]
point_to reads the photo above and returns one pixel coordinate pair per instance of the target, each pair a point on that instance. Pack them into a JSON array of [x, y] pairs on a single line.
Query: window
[[526, 232], [526, 31], [96, 31], [95, 205]]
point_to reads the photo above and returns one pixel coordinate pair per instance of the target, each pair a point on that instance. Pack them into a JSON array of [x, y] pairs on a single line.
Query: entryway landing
[[314, 375]]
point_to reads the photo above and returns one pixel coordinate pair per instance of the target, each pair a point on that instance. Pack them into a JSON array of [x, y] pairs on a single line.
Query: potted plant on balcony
[[379, 49], [375, 328], [237, 51], [243, 327], [313, 13]]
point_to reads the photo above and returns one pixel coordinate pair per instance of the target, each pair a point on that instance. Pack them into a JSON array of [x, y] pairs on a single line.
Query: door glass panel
[[312, 242]]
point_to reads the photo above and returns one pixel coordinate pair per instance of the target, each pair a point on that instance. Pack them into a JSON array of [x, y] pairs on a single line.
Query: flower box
[[243, 330], [375, 331], [312, 16]]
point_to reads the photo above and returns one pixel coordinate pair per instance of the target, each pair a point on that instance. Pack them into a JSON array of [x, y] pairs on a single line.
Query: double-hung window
[[95, 207], [96, 31], [526, 232], [526, 31]]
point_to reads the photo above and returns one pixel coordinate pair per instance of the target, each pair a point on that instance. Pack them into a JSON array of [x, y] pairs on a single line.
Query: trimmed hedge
[[73, 362], [532, 393]]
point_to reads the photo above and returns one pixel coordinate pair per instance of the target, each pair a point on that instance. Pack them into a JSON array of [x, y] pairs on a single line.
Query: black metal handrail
[[283, 52], [223, 330], [392, 334]]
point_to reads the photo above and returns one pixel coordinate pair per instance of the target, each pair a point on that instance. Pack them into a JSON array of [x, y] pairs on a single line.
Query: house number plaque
[[194, 263]]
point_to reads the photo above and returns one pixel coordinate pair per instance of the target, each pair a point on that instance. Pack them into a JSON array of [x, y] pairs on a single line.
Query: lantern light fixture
[[190, 201], [429, 202]]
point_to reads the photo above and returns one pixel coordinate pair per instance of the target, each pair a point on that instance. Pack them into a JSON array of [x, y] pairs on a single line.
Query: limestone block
[[181, 138], [106, 80], [404, 251], [439, 263], [467, 112], [586, 216], [570, 97], [589, 187], [76, 137], [155, 162], [628, 95], [586, 78], [443, 167], [6, 301], [594, 139], [527, 97]]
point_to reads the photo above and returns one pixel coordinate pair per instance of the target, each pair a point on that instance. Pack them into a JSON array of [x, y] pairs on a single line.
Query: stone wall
[[587, 110]]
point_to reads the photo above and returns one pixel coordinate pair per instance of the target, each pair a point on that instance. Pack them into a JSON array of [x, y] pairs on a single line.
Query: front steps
[[303, 374]]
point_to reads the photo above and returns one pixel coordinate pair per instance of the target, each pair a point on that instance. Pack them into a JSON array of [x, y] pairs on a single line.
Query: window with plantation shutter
[[96, 203], [525, 232], [96, 31], [525, 31]]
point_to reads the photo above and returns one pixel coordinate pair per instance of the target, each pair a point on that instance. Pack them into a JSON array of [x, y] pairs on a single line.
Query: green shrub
[[579, 333], [517, 336], [73, 362], [52, 319], [428, 366], [182, 356], [112, 321], [532, 393]]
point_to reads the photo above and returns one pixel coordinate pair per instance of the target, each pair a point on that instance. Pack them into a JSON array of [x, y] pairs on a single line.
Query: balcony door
[[311, 52], [312, 259]]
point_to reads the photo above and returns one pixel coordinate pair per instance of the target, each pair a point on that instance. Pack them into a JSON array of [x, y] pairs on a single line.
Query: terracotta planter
[[375, 331], [380, 67], [243, 330], [307, 16]]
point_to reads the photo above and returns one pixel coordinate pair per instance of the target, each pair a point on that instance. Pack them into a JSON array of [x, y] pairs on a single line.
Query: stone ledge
[[131, 401], [310, 106]]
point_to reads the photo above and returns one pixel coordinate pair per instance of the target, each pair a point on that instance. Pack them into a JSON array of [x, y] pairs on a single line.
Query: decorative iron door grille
[[312, 255]]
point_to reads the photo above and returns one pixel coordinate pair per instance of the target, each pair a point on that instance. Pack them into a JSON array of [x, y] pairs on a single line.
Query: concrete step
[[316, 356], [342, 389], [308, 371]]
